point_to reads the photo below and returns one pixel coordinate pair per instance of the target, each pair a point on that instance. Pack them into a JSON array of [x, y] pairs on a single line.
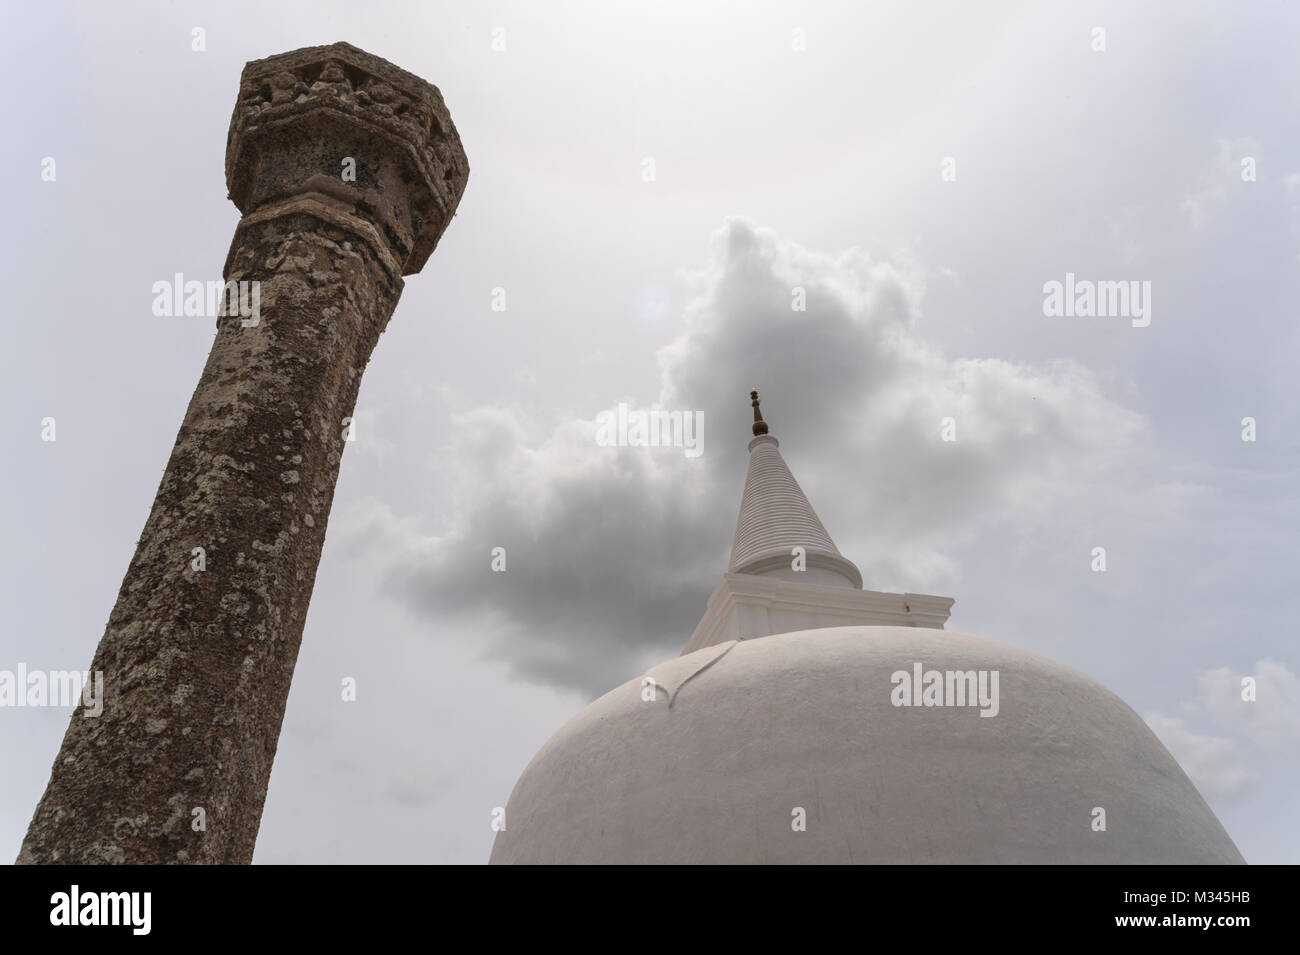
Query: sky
[[650, 186]]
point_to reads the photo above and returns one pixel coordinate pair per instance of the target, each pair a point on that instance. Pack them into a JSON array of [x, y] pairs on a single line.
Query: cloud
[[1219, 178], [1272, 719], [1222, 766], [612, 552], [370, 422], [1214, 763]]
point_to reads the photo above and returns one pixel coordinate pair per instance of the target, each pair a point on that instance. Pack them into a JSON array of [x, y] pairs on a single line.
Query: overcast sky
[[1170, 157]]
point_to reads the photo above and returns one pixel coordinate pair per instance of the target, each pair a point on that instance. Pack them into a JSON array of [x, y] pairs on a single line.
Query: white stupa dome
[[758, 729], [809, 721]]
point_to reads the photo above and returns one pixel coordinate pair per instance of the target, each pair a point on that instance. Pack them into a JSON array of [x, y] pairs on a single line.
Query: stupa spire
[[776, 517], [786, 574], [760, 426]]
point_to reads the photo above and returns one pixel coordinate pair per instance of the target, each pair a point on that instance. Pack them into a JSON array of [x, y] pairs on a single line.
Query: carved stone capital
[[300, 115]]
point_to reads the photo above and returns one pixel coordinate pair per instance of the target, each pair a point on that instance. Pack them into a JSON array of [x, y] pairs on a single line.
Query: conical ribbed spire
[[768, 589], [775, 517]]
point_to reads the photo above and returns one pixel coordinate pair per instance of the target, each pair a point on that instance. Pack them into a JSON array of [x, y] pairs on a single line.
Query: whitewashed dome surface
[[758, 728]]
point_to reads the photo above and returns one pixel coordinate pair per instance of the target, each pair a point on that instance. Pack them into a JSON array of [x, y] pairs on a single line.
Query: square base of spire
[[746, 606]]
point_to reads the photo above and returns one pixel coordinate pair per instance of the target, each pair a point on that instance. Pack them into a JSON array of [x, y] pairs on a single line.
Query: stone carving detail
[[368, 91], [317, 85]]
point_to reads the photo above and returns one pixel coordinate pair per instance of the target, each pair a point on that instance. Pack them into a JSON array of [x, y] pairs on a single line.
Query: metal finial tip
[[760, 426]]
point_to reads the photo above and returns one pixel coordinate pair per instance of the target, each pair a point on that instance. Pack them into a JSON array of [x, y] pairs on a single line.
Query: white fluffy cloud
[[1272, 719], [1214, 763], [611, 552], [1224, 767]]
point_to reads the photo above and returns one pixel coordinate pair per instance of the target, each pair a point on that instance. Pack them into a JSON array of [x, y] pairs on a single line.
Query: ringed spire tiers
[[776, 518]]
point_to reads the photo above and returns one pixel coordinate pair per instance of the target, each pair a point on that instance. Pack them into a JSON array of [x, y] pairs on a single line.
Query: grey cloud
[[611, 552]]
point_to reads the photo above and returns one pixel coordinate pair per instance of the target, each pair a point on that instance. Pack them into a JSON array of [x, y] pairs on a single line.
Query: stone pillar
[[197, 662]]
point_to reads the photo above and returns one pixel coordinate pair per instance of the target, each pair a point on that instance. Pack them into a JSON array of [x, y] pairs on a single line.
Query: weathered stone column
[[197, 662]]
